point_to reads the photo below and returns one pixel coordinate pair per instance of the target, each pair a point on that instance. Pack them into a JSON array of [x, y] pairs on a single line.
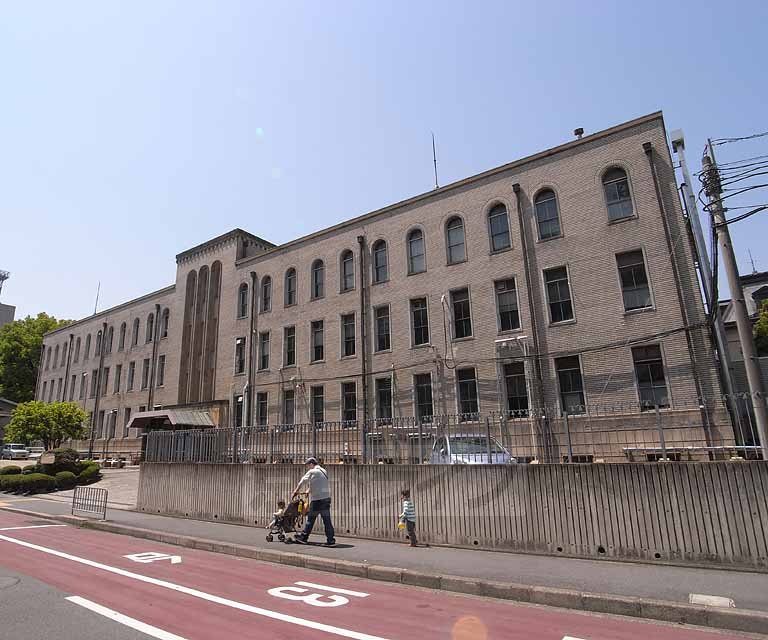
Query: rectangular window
[[83, 386], [384, 399], [634, 280], [318, 405], [649, 372], [238, 413], [288, 406], [72, 383], [289, 346], [419, 322], [348, 335], [262, 409], [45, 386], [105, 381], [264, 350], [422, 383], [94, 382], [348, 401], [240, 355], [111, 423], [118, 375], [160, 371], [506, 305], [100, 430], [145, 373], [517, 390], [558, 294], [126, 421], [571, 384], [382, 328], [51, 389], [58, 389], [462, 315], [131, 376], [467, 393], [318, 341], [266, 295]]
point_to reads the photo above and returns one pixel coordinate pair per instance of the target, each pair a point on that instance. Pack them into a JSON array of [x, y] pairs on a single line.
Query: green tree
[[52, 423], [761, 331], [20, 345]]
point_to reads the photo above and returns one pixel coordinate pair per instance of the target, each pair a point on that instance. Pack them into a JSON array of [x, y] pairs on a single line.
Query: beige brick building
[[564, 279]]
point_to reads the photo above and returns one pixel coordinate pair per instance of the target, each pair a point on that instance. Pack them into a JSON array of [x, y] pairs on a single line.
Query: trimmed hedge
[[91, 473], [10, 482], [10, 470], [28, 483], [35, 468], [65, 480]]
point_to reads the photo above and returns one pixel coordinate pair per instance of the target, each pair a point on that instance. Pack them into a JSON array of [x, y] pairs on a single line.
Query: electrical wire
[[719, 141]]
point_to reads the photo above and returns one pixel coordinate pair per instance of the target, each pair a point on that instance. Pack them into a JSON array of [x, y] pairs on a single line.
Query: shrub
[[34, 468], [64, 460], [10, 482], [65, 480], [36, 483], [91, 473], [10, 470]]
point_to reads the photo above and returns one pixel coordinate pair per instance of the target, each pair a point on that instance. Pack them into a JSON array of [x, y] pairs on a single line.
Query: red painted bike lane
[[201, 595]]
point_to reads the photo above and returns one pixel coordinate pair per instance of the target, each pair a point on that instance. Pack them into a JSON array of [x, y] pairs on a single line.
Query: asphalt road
[[181, 594]]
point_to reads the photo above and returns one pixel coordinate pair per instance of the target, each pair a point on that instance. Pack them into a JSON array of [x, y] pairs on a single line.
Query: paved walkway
[[661, 582], [122, 486]]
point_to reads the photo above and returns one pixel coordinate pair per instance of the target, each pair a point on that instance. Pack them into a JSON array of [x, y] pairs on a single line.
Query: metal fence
[[90, 500], [615, 433]]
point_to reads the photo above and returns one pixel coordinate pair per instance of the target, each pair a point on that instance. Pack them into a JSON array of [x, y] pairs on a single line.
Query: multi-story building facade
[[564, 279]]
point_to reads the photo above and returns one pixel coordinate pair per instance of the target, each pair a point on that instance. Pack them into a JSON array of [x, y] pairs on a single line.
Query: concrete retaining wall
[[713, 512]]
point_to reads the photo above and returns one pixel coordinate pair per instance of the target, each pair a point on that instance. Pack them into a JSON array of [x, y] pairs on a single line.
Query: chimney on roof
[[578, 133]]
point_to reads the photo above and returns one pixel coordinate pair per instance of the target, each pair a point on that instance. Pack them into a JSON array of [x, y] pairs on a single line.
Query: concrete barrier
[[698, 513]]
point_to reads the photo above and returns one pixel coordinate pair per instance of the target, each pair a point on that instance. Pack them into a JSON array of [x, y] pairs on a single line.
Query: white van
[[15, 452]]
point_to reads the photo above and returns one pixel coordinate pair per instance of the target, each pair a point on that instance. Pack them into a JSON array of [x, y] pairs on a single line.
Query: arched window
[[56, 357], [454, 236], [417, 257], [108, 342], [150, 327], [64, 355], [380, 261], [617, 195], [347, 271], [97, 350], [87, 347], [266, 294], [242, 301], [547, 214], [121, 337], [498, 228], [290, 287], [135, 336], [318, 279], [165, 323], [77, 350], [48, 359]]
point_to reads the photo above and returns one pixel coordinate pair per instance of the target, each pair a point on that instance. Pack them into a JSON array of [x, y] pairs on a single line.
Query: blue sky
[[131, 131]]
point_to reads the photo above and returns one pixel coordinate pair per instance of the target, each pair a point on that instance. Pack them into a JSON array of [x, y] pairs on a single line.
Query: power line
[[719, 141]]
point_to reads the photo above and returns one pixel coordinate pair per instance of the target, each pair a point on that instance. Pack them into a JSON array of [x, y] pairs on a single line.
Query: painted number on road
[[308, 592], [152, 556]]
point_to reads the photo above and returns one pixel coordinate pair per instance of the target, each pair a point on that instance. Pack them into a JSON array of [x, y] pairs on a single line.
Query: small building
[[6, 409]]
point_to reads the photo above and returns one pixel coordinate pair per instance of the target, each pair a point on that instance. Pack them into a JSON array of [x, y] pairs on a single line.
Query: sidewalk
[[656, 582]]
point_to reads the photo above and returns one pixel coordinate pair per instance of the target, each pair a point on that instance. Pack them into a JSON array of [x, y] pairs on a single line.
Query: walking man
[[315, 480]]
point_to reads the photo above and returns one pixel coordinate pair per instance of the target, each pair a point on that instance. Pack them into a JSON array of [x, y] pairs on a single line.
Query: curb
[[744, 620]]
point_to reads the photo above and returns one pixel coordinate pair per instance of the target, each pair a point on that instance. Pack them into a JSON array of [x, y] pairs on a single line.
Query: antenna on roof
[[434, 159], [752, 260], [96, 306]]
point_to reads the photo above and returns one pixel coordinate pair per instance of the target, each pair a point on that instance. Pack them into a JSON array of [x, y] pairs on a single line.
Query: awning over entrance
[[171, 419]]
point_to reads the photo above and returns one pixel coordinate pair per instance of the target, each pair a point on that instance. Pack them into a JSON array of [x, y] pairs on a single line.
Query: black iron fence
[[615, 433]]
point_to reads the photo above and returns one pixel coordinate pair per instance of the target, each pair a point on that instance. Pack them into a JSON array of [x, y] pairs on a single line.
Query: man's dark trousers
[[323, 509]]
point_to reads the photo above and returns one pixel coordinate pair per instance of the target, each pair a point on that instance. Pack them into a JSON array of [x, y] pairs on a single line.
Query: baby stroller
[[290, 521]]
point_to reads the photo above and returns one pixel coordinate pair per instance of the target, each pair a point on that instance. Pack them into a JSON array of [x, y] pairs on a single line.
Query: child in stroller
[[286, 519]]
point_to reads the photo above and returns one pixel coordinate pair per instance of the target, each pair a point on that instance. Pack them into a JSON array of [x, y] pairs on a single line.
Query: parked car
[[36, 452], [13, 451], [469, 448]]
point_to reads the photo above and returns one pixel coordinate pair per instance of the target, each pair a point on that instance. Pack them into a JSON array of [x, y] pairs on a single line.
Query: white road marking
[[33, 526], [267, 613], [346, 592], [711, 601], [143, 627], [153, 556], [570, 638]]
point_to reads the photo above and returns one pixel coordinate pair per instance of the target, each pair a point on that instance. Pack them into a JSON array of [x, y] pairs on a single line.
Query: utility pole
[[743, 325], [702, 257]]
